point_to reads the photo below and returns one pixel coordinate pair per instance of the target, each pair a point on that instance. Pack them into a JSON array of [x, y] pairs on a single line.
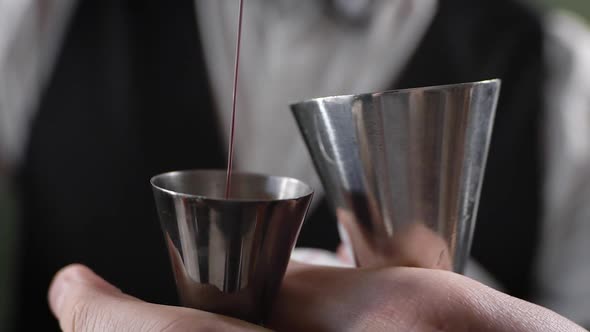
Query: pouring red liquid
[[230, 153]]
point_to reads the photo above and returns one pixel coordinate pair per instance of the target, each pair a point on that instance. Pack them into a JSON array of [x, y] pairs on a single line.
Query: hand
[[82, 301], [402, 299], [316, 299]]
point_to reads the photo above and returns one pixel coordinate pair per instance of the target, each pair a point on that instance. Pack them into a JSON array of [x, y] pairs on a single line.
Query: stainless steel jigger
[[229, 256], [403, 169]]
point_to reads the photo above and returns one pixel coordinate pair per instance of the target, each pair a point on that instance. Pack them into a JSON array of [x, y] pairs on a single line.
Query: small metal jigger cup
[[403, 169], [229, 256]]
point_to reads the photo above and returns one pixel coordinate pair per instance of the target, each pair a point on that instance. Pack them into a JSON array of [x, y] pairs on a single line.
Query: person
[[315, 299], [97, 97]]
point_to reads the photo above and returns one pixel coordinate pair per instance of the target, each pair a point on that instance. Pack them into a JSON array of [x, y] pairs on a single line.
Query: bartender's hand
[[82, 301], [315, 299], [402, 299]]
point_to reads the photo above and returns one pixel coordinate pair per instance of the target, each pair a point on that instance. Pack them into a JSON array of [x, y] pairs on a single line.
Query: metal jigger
[[403, 169], [229, 256]]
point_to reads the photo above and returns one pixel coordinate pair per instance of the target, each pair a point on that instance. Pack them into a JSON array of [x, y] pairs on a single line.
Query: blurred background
[[7, 245], [581, 7], [7, 212]]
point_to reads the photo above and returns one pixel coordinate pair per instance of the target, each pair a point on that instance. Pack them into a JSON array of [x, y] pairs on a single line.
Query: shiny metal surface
[[403, 169], [229, 255]]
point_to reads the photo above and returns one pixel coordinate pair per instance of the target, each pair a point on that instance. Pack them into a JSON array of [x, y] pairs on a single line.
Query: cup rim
[[496, 81], [308, 190]]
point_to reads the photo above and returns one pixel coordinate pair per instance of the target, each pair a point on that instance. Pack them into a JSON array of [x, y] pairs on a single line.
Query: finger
[[82, 301], [344, 253]]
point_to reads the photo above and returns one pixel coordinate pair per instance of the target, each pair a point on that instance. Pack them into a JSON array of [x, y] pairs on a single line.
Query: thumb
[[82, 301]]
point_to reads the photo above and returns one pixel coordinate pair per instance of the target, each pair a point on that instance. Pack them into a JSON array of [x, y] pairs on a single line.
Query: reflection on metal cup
[[229, 256], [404, 164]]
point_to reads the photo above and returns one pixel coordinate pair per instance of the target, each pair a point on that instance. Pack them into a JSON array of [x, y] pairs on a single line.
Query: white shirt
[[291, 52]]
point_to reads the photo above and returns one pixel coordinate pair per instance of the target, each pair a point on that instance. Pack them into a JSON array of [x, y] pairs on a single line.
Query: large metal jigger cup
[[403, 169], [229, 256]]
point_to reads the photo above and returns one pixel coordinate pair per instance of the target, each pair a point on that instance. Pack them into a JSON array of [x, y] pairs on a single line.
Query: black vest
[[129, 98]]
